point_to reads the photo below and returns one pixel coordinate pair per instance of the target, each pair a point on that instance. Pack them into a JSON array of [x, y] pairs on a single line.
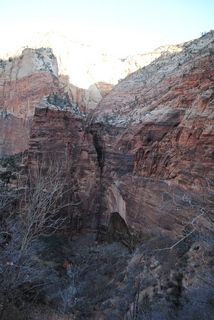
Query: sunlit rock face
[[157, 126], [85, 73], [64, 68], [167, 112], [24, 80], [151, 134]]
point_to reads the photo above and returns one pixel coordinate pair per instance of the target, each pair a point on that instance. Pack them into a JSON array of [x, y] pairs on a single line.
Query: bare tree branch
[[45, 194]]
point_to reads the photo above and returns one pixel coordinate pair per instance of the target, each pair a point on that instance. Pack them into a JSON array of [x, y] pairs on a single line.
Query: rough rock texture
[[167, 110], [151, 135], [157, 126], [69, 69], [139, 169], [87, 74], [23, 82]]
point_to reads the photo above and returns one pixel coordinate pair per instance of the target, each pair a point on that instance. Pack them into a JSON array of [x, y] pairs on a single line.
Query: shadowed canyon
[[130, 142]]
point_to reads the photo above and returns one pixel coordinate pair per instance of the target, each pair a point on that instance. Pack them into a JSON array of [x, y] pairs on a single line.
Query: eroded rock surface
[[84, 75], [151, 134], [24, 80], [167, 112], [138, 170]]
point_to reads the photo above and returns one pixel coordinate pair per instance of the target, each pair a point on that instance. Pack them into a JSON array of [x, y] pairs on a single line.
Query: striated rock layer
[[23, 82], [148, 139], [87, 74], [167, 111], [69, 75]]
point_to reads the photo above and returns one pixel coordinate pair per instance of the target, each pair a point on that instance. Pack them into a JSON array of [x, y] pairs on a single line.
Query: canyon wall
[[149, 138], [85, 73], [52, 64], [167, 112], [24, 80]]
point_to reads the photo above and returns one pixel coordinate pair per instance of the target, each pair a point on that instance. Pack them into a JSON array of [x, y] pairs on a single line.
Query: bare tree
[[40, 202], [195, 211]]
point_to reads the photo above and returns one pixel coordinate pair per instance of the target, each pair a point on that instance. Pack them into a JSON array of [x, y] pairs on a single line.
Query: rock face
[[150, 135], [137, 169], [86, 74], [76, 71], [167, 110], [23, 82]]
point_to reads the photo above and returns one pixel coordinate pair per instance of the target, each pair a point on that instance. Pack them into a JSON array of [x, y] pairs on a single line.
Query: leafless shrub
[[37, 212]]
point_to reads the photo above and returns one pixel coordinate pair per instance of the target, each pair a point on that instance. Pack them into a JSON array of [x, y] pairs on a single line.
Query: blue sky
[[117, 26]]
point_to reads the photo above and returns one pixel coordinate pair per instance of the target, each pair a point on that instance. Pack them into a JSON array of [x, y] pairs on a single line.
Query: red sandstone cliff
[[83, 75], [146, 153], [157, 126], [24, 80], [151, 133], [167, 112]]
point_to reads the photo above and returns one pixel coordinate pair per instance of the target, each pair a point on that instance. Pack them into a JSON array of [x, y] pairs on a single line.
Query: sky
[[120, 27]]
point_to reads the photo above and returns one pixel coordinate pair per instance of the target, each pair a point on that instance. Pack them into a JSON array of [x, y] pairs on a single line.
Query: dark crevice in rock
[[99, 146]]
